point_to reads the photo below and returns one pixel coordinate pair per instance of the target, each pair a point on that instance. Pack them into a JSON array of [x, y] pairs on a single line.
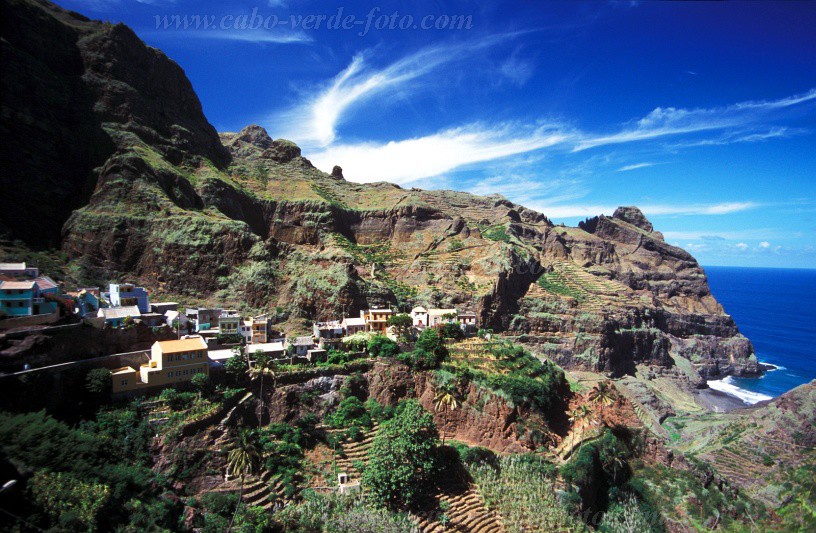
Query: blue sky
[[702, 114]]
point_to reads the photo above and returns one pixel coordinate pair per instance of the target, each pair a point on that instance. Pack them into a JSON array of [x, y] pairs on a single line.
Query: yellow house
[[376, 319], [170, 362]]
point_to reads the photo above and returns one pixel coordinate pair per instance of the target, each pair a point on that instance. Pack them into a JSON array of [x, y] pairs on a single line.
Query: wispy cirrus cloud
[[423, 157], [635, 166], [314, 121], [588, 210], [666, 121]]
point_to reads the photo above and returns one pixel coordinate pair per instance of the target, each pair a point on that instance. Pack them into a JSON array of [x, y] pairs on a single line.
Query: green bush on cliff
[[402, 458]]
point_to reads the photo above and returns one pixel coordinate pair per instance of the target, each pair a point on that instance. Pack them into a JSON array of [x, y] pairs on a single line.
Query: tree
[[236, 366], [357, 342], [579, 416], [402, 457], [202, 384], [98, 383], [67, 498], [604, 394], [402, 324], [429, 351], [243, 459], [260, 365], [382, 346], [446, 400]]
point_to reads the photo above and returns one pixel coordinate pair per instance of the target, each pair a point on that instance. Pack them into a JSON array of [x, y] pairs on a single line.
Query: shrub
[[382, 346], [98, 383], [350, 412]]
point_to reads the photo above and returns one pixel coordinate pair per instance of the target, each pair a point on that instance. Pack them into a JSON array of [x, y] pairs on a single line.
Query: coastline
[[718, 401]]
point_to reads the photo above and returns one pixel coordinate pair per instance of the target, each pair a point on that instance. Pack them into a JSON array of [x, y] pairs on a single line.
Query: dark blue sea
[[776, 309]]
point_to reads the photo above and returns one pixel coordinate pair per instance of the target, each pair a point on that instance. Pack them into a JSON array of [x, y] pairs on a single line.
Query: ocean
[[776, 309]]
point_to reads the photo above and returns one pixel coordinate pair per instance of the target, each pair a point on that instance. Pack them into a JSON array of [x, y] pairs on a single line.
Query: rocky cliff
[[110, 156]]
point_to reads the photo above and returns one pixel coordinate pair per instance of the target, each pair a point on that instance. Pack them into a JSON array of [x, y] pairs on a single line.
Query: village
[[206, 338]]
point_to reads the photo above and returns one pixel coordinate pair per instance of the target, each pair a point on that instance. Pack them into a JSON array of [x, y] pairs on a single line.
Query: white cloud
[[315, 119], [422, 157], [635, 166], [741, 246], [674, 121], [251, 36], [764, 244], [650, 210]]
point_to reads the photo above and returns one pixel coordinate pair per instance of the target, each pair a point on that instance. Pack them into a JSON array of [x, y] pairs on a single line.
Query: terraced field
[[355, 452], [466, 512]]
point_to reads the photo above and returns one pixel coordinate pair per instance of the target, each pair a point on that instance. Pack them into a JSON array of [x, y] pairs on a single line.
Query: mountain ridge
[[240, 217]]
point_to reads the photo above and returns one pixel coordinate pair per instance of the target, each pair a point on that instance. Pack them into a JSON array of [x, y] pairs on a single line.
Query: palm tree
[[446, 399], [604, 394], [261, 363], [579, 415], [243, 459]]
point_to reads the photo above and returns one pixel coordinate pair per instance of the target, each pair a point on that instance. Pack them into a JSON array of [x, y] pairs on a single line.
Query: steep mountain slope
[[123, 170]]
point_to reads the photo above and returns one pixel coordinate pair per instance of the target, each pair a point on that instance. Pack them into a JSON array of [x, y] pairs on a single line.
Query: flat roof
[[183, 345], [12, 266], [120, 312], [17, 285], [123, 370], [354, 321], [265, 346], [220, 355]]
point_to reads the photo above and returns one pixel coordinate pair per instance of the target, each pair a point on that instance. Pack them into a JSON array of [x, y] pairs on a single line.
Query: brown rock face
[[73, 92], [633, 216]]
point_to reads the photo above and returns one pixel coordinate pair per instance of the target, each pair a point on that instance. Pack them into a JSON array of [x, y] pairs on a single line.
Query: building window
[[185, 372], [169, 374], [124, 382], [170, 358]]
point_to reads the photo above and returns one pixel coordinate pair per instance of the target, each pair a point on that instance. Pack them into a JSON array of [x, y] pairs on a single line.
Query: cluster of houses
[[376, 321], [206, 336], [24, 292]]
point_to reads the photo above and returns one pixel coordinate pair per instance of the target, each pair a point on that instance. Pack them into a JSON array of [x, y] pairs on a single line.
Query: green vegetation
[[403, 325], [429, 351], [336, 513], [402, 458], [382, 346], [555, 283], [497, 232], [94, 477], [522, 488]]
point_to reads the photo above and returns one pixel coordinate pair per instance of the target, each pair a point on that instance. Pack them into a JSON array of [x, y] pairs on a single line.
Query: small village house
[[170, 318], [171, 362], [152, 319], [86, 301], [128, 294], [300, 345], [115, 316], [24, 298], [376, 320], [420, 317], [328, 330], [229, 322], [260, 329], [467, 319], [441, 316], [18, 270], [352, 325], [203, 318], [246, 331], [316, 355], [274, 350], [162, 307]]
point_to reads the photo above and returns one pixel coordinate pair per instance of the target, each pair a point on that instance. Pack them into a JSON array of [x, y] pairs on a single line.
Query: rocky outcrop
[[105, 90]]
